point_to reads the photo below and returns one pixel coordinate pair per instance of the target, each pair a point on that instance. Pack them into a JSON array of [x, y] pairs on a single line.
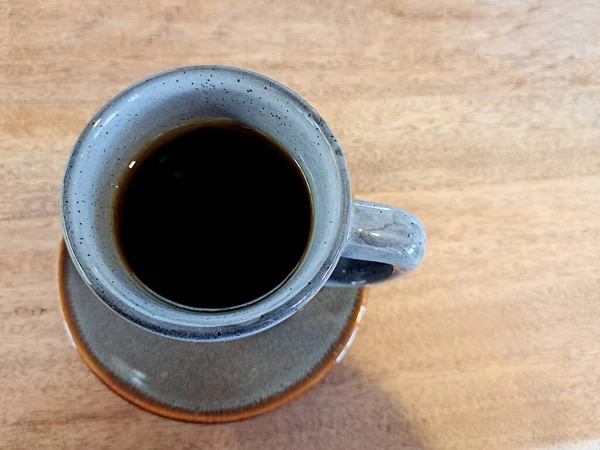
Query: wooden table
[[482, 117]]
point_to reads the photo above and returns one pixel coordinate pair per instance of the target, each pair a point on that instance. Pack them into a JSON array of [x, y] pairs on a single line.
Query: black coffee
[[213, 215]]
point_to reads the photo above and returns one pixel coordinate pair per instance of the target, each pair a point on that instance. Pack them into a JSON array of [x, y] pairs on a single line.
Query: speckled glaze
[[377, 242]]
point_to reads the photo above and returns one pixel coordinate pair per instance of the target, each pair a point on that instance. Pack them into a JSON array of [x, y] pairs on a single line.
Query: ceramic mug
[[353, 242]]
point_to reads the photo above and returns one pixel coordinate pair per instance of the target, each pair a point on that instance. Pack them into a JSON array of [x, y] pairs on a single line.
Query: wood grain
[[482, 117]]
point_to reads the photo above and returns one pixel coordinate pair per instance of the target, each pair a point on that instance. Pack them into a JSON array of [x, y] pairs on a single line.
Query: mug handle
[[384, 243]]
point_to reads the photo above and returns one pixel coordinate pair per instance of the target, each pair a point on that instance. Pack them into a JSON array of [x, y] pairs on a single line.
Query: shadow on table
[[345, 410]]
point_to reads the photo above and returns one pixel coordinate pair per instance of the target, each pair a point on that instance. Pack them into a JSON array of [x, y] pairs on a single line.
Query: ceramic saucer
[[213, 381]]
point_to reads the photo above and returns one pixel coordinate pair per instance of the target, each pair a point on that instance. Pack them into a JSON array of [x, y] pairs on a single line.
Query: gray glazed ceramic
[[210, 381], [376, 242]]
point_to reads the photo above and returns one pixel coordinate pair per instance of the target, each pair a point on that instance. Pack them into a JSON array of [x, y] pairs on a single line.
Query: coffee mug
[[353, 243]]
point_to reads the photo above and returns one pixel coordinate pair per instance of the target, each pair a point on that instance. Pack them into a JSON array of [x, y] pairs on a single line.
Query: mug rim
[[251, 323]]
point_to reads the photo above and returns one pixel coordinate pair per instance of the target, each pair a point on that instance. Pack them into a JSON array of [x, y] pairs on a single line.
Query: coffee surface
[[213, 204]]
